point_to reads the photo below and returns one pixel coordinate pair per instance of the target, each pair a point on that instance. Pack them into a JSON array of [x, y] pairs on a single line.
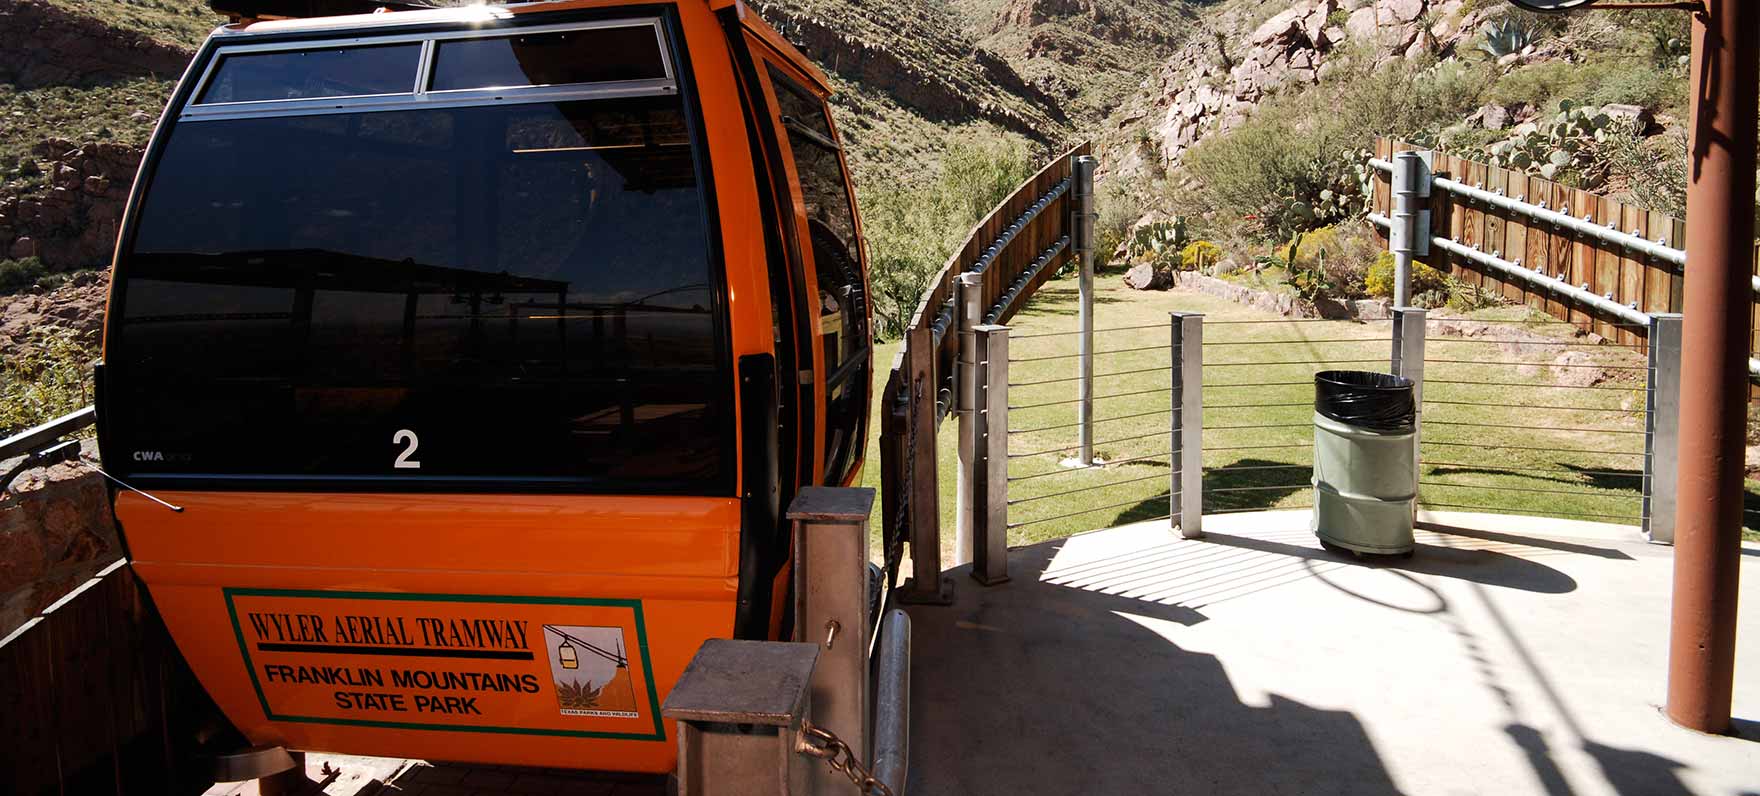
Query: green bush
[[46, 377], [912, 228], [18, 274], [1117, 212], [1379, 282], [1198, 254], [1296, 163]]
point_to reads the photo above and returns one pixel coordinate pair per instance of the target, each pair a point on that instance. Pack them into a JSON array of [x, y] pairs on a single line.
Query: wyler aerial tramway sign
[[465, 663]]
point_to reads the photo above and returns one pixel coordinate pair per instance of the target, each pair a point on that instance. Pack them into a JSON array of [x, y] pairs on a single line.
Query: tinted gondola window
[[314, 73], [592, 55], [842, 306], [495, 292]]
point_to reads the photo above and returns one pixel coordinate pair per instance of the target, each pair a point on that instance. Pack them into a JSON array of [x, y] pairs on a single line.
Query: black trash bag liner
[[1374, 401]]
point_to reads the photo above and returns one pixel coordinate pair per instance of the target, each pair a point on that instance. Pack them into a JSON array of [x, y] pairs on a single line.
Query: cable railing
[[1515, 416], [1492, 403]]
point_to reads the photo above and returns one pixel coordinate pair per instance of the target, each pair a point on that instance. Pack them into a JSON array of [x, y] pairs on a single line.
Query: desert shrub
[[1117, 211], [46, 377], [911, 228], [1379, 280], [1628, 80], [1296, 164], [1198, 254], [17, 274]]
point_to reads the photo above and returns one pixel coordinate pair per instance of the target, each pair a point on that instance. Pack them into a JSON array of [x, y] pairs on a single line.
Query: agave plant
[[1507, 36]]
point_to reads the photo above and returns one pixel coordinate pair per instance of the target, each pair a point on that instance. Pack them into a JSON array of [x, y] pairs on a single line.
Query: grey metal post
[[1409, 236], [1186, 490], [990, 515], [831, 606], [1662, 422], [1082, 239], [970, 311], [739, 707], [1409, 327]]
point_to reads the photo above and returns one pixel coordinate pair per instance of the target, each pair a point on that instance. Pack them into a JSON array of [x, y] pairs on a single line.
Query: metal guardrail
[[1539, 212], [31, 439], [1555, 285], [37, 444]]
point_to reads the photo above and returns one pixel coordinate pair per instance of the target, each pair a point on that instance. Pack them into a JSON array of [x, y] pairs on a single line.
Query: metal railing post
[[1082, 239], [831, 607], [1409, 235], [739, 707], [1409, 326], [1662, 426], [990, 515], [969, 315], [1186, 490]]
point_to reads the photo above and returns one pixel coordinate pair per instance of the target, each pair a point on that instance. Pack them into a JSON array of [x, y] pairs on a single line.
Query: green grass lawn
[[1499, 434]]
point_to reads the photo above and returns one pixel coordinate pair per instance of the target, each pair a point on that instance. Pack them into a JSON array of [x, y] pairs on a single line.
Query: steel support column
[[1714, 373], [1186, 490]]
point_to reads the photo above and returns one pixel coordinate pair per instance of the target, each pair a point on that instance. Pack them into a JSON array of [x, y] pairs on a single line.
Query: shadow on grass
[[1246, 485]]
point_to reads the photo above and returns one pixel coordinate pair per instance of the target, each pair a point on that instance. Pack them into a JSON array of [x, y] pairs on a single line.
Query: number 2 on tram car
[[482, 348]]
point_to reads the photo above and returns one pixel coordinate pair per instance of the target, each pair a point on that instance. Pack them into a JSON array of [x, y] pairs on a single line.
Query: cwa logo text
[[149, 456]]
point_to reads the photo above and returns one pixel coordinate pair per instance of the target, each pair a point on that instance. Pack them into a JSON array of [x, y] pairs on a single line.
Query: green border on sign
[[635, 606]]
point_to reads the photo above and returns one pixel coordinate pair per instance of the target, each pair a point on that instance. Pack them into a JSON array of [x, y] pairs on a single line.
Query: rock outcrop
[[56, 531], [1208, 87], [73, 223]]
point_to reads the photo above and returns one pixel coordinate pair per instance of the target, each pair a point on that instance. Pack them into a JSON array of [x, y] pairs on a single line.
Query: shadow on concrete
[[1486, 567], [1528, 541], [1031, 687]]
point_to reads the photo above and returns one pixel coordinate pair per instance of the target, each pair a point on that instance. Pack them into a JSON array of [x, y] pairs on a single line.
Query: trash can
[[1365, 461]]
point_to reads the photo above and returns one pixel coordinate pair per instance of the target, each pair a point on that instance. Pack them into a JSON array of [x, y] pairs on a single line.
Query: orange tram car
[[474, 354]]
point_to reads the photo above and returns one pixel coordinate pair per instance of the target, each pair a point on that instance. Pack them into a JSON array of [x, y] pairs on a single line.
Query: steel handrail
[[1605, 305], [1605, 234], [28, 440]]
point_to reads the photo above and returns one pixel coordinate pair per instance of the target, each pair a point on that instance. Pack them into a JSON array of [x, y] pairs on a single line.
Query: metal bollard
[[1186, 490], [990, 513], [970, 311], [831, 607], [1662, 421], [1409, 328], [739, 707]]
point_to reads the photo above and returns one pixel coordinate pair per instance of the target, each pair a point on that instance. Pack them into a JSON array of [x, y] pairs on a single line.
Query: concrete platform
[[1508, 656]]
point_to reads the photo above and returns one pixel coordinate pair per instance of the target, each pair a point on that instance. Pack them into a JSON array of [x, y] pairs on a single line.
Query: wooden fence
[[1022, 243], [94, 699], [1626, 276]]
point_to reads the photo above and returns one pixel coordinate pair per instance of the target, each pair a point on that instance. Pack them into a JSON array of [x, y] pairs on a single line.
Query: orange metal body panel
[[490, 557]]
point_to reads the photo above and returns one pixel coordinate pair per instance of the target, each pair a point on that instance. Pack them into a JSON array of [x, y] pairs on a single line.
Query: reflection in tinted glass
[[526, 288], [577, 56], [310, 74], [842, 303]]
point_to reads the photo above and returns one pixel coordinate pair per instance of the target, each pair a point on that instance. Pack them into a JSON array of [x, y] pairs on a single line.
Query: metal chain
[[825, 745]]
